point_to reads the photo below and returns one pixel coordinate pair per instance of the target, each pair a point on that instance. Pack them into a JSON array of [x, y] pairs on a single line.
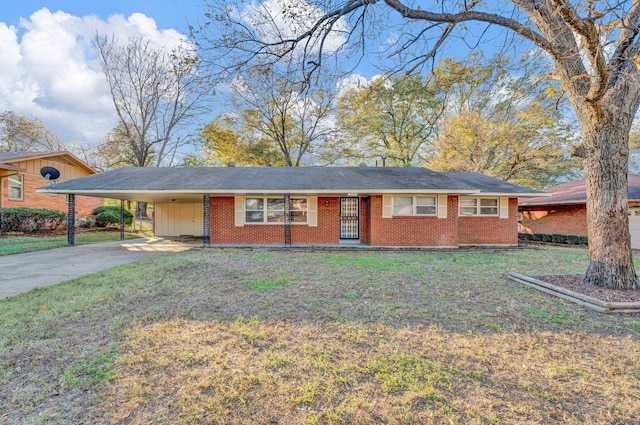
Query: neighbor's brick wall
[[557, 219], [560, 219], [413, 231], [32, 199], [490, 230], [224, 230]]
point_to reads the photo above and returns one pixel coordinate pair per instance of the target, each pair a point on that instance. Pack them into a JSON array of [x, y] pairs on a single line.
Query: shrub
[[111, 215], [545, 238], [537, 237], [573, 239], [525, 236], [31, 219], [557, 238], [104, 218]]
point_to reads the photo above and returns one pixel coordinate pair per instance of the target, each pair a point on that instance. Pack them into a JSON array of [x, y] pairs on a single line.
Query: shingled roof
[[576, 193], [190, 183]]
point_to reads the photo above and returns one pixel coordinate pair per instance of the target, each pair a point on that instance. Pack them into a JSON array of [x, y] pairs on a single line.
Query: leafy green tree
[[525, 150], [225, 142], [499, 122], [394, 117]]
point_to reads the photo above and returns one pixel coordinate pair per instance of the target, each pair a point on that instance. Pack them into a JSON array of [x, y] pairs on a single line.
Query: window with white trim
[[479, 206], [415, 205], [271, 210], [15, 187]]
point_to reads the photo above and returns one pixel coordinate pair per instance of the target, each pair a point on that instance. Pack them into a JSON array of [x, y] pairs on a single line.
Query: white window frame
[[16, 185], [265, 210], [414, 205], [478, 206]]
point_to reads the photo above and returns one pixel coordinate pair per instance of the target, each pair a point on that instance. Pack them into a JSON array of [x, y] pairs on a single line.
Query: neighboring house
[[325, 205], [565, 211], [20, 176]]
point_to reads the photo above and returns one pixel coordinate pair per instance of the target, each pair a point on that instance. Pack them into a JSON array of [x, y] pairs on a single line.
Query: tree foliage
[[501, 123], [20, 133], [275, 111], [225, 142], [395, 118]]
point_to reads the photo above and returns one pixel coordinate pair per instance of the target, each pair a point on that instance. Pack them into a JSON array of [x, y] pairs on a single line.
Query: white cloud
[[49, 70]]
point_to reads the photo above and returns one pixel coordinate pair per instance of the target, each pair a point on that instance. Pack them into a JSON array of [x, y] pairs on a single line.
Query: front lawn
[[19, 244], [279, 337]]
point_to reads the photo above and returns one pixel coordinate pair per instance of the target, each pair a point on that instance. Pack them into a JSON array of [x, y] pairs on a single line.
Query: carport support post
[[71, 220], [206, 221], [121, 219]]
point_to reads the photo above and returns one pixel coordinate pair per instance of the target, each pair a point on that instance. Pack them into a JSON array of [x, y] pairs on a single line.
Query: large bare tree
[[592, 47], [155, 92]]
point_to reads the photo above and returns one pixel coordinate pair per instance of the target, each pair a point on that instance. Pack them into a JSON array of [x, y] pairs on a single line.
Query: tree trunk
[[141, 210], [606, 167]]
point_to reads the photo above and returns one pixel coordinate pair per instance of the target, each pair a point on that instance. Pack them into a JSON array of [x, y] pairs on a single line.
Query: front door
[[349, 218]]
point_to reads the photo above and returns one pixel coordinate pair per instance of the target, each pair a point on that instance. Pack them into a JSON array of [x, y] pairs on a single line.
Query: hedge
[[30, 219], [106, 215], [554, 238]]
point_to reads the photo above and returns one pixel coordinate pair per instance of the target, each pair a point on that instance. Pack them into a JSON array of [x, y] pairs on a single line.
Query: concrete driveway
[[24, 272]]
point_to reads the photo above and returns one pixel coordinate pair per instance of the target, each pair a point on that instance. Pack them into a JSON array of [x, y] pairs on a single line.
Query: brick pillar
[[71, 220], [206, 211], [122, 219], [287, 219]]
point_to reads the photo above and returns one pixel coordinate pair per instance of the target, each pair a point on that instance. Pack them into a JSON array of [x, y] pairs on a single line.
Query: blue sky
[[175, 14], [47, 69]]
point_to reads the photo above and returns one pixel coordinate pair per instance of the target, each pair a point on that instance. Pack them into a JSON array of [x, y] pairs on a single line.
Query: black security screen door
[[349, 218]]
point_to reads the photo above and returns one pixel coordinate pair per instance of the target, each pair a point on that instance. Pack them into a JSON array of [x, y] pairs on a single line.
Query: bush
[[525, 236], [111, 215], [105, 218], [537, 237], [557, 238], [31, 219]]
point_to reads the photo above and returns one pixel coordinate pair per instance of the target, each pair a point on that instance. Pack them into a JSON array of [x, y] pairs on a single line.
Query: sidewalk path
[[24, 272]]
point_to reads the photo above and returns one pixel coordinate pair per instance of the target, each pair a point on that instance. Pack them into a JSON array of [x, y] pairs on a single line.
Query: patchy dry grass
[[242, 337]]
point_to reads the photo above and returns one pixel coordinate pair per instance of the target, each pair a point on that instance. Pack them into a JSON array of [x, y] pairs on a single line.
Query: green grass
[[240, 337], [263, 285], [20, 244]]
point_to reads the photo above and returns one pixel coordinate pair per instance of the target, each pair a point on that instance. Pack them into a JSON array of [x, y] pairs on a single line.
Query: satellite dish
[[50, 173]]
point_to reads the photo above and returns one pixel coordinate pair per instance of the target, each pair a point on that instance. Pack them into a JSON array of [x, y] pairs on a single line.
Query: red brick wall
[[32, 199], [490, 230], [374, 230], [224, 230], [560, 219], [414, 231]]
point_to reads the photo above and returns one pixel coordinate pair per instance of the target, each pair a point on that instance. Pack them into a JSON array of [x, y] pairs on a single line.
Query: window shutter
[[442, 206], [312, 211], [239, 208], [504, 207], [387, 206]]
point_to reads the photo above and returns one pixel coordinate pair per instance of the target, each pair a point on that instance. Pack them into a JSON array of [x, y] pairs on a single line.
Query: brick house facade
[[20, 177], [384, 206]]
